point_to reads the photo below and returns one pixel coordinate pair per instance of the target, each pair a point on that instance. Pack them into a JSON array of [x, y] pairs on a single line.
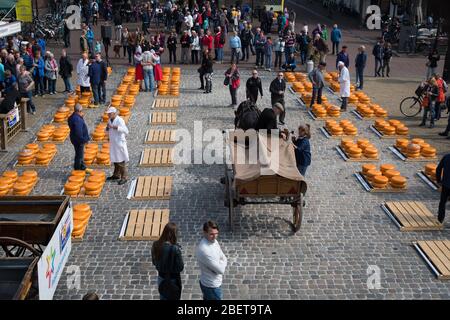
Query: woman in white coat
[[344, 82], [118, 151]]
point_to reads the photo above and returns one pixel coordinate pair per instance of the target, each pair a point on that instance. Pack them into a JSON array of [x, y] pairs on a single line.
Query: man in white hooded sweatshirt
[[212, 262], [344, 82]]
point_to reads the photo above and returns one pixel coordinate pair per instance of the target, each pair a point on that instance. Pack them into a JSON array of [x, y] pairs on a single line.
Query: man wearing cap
[[79, 136], [118, 151], [277, 89], [344, 82]]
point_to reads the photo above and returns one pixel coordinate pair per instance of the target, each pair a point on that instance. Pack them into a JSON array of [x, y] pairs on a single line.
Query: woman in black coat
[[65, 71]]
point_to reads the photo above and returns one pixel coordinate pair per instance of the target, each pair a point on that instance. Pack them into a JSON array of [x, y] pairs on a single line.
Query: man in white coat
[[83, 73], [118, 151], [344, 82]]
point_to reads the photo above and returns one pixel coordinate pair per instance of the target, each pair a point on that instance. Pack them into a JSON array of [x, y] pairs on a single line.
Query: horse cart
[[26, 226], [262, 170]]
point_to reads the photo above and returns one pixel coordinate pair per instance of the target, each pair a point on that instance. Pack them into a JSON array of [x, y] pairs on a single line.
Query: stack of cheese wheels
[[94, 183], [427, 151], [413, 150], [298, 86], [46, 132], [127, 79], [386, 167], [430, 171], [398, 182], [353, 99], [129, 101], [347, 143], [388, 130], [334, 75], [99, 134], [74, 183], [371, 174], [336, 130], [174, 90], [290, 77], [24, 184], [327, 76], [81, 214], [60, 134], [163, 89], [307, 97], [349, 128], [354, 152], [402, 144], [133, 90], [330, 123], [62, 114], [26, 157], [70, 102], [308, 87], [105, 117], [378, 110], [90, 152], [362, 97], [334, 111], [131, 71], [124, 111], [116, 98], [44, 156], [116, 103], [7, 181], [380, 124], [335, 86], [299, 76], [370, 152], [102, 156], [122, 89], [389, 171], [319, 111], [380, 182]]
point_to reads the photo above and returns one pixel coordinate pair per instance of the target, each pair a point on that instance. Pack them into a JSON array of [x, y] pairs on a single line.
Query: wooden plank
[[168, 187], [139, 223], [146, 157], [444, 254], [147, 186], [441, 261], [156, 224], [164, 219], [427, 219], [154, 188], [157, 160], [414, 222], [404, 220], [152, 157], [131, 223], [425, 246], [148, 223], [139, 187]]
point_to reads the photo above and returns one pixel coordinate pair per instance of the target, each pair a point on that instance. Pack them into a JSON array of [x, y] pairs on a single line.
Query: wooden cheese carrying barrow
[[262, 170]]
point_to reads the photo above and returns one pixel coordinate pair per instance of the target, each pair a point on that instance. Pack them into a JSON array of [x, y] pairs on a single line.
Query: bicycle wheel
[[410, 107]]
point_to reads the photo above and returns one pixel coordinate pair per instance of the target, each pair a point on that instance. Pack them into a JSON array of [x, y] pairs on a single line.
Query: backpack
[[247, 115], [222, 39]]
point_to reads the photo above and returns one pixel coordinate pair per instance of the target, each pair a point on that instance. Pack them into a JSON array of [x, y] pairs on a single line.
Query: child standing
[[279, 50], [268, 48], [303, 148]]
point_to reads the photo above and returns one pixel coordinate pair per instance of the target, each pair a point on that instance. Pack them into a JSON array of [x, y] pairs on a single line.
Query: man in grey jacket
[[212, 262], [316, 78]]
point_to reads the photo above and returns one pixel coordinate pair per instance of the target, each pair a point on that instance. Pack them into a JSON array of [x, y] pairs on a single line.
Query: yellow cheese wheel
[[373, 173], [95, 179], [92, 186], [367, 167], [417, 141], [76, 179], [81, 217], [391, 173], [71, 192], [428, 152], [387, 166], [10, 174], [413, 148], [20, 187], [379, 185], [78, 173], [431, 167], [21, 193], [30, 173], [4, 188], [380, 180], [81, 207], [398, 180]]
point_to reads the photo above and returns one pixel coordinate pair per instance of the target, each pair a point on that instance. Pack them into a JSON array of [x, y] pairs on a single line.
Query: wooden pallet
[[163, 118], [429, 181], [403, 157], [327, 134], [160, 137], [346, 157], [82, 195], [383, 136], [166, 103], [33, 164], [145, 224], [369, 188], [151, 188], [437, 255], [316, 118], [361, 117], [10, 192], [157, 157], [412, 216]]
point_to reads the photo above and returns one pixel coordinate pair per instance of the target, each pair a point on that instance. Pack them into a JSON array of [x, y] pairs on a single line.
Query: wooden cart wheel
[[17, 248], [298, 214]]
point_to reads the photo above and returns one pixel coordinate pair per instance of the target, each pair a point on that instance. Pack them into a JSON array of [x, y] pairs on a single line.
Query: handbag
[[226, 82], [167, 288]]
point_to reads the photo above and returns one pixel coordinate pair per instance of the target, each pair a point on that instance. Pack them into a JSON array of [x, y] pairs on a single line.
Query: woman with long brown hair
[[168, 260]]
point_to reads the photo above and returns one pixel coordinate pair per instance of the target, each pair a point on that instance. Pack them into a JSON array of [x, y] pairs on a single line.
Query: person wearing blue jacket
[[43, 45], [38, 74], [90, 39], [343, 56], [303, 148], [27, 60], [235, 46], [443, 176], [79, 136], [360, 64], [336, 37], [98, 75]]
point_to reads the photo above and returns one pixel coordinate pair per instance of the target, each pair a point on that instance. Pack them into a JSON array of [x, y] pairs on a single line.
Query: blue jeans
[[51, 85], [79, 157], [302, 170], [39, 84], [96, 92], [431, 109], [360, 77], [219, 54], [68, 84], [30, 104], [268, 61], [149, 80], [211, 293]]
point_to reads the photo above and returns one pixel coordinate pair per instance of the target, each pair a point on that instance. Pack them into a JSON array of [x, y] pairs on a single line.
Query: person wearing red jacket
[[441, 97], [207, 41], [219, 42]]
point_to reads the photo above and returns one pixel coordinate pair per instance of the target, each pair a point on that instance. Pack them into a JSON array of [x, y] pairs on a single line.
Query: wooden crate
[[145, 224], [157, 157], [166, 104], [411, 216], [33, 164], [316, 118], [327, 134], [383, 136], [404, 157], [151, 188], [369, 188], [346, 157], [163, 118], [160, 137], [437, 255]]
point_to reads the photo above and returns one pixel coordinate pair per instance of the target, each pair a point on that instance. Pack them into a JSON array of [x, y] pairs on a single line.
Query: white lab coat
[[83, 73], [344, 82], [118, 151]]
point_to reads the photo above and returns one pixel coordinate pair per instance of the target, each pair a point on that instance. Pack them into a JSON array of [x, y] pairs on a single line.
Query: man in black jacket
[[254, 85], [79, 136], [277, 89], [268, 118], [444, 178], [65, 71]]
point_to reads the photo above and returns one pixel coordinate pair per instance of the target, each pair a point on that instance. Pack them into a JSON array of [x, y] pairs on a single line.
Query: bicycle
[[412, 106]]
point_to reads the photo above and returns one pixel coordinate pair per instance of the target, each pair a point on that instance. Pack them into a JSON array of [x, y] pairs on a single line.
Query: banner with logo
[[52, 262], [24, 11], [13, 117]]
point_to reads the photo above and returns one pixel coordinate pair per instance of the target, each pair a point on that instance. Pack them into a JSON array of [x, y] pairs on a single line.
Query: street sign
[[11, 28]]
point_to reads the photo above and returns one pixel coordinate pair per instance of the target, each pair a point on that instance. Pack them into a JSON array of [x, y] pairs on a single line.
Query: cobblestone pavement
[[344, 229]]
